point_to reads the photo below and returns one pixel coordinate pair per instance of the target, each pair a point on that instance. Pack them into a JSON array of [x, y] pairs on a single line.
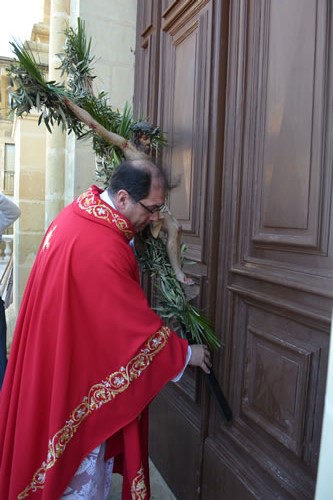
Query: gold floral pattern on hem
[[94, 206], [99, 394], [138, 487]]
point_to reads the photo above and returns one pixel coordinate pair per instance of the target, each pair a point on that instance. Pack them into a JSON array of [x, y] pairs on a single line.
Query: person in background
[[9, 212], [88, 353]]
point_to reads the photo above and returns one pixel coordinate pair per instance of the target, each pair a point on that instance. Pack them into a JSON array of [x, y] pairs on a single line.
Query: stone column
[[3, 94], [56, 142]]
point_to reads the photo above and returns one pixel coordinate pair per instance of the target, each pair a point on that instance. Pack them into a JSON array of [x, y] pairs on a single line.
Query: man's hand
[[201, 357]]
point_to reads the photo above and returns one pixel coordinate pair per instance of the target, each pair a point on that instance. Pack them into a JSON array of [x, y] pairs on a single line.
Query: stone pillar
[[4, 82], [29, 194], [47, 7], [56, 142]]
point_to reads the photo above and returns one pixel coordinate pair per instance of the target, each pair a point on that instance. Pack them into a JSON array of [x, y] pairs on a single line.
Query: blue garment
[[9, 212]]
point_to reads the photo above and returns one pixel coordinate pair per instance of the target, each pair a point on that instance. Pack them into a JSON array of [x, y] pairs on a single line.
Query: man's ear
[[122, 198]]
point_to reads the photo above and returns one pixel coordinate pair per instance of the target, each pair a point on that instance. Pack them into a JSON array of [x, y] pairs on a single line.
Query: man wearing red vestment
[[88, 353]]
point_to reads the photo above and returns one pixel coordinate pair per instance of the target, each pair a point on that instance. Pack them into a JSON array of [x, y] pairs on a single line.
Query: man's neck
[[105, 196]]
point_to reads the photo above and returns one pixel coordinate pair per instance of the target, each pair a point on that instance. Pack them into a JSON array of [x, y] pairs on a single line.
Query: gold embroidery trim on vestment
[[93, 205], [139, 488], [99, 394]]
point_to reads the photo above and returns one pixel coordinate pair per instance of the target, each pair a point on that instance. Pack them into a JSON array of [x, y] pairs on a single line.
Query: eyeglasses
[[154, 208]]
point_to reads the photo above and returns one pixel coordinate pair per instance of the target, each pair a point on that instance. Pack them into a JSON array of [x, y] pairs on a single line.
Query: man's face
[[136, 212]]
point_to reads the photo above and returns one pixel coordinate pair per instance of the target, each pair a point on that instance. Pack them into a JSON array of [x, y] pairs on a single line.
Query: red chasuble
[[88, 356]]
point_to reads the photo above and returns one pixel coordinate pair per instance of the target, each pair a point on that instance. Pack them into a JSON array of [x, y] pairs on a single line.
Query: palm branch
[[171, 302], [78, 110]]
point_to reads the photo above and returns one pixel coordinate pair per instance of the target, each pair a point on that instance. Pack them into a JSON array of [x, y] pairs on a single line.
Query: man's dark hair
[[135, 176]]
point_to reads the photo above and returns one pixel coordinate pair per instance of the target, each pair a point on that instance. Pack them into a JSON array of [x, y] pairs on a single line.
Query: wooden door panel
[[289, 113], [147, 60], [183, 108], [281, 378], [278, 272], [276, 380], [185, 66], [290, 174], [175, 441]]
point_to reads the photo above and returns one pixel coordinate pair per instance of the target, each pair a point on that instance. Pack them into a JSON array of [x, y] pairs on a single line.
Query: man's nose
[[155, 216]]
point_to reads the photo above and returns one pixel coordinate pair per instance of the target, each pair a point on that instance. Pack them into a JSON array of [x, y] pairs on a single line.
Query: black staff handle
[[217, 392]]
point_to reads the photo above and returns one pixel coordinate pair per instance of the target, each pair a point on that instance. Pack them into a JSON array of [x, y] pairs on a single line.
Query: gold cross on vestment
[[48, 237]]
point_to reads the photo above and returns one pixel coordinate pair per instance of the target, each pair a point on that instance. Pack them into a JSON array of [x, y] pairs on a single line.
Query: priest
[[88, 353]]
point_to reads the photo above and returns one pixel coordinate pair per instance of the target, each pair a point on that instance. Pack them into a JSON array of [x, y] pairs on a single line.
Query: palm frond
[[57, 106], [125, 121], [28, 61], [76, 61], [172, 305], [31, 90]]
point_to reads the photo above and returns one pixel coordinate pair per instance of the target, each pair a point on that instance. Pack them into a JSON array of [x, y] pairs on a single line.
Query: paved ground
[[159, 488]]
